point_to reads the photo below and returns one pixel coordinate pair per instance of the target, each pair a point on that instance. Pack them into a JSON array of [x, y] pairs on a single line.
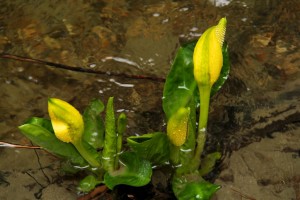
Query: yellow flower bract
[[208, 58], [177, 127], [67, 122]]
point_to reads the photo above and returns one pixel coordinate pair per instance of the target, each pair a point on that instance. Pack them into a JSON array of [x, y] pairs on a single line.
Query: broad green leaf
[[88, 183], [198, 190], [93, 124], [208, 163], [45, 123], [68, 168], [134, 171], [152, 146], [48, 141], [92, 152], [110, 141], [192, 186], [180, 85]]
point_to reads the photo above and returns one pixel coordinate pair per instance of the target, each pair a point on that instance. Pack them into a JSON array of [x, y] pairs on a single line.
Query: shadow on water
[[254, 119]]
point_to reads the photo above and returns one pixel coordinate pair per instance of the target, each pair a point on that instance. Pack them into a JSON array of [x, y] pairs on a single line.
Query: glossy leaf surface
[[180, 86], [88, 183], [40, 136], [134, 171], [152, 146], [93, 124], [45, 123], [193, 186]]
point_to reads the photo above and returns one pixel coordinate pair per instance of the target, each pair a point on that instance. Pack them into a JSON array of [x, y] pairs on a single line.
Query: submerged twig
[[78, 69], [9, 145], [98, 190], [243, 195]]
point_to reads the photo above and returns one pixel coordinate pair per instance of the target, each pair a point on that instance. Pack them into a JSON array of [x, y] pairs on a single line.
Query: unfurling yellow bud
[[67, 122], [177, 127], [208, 58]]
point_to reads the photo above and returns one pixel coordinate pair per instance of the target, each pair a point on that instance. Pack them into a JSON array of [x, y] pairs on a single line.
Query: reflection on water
[[220, 3], [121, 60], [140, 38]]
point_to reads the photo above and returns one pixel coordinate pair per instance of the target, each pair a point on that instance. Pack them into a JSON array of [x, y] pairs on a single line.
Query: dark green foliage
[[134, 171], [180, 86], [93, 124], [88, 183], [40, 132], [152, 146]]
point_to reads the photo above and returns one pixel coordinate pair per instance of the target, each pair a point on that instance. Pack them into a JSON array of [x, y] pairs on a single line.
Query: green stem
[[204, 108], [175, 157], [85, 154]]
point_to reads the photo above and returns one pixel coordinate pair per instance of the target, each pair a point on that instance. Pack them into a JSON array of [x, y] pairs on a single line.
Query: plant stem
[[85, 154], [175, 157], [204, 108], [119, 148]]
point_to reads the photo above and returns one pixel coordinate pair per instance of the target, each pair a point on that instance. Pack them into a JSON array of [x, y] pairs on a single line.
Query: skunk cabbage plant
[[88, 142]]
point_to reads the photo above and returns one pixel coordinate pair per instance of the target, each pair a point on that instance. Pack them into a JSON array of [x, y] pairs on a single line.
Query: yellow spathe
[[67, 122], [208, 58], [177, 127]]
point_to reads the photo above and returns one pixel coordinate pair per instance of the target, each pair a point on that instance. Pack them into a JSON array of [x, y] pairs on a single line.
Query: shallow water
[[120, 40]]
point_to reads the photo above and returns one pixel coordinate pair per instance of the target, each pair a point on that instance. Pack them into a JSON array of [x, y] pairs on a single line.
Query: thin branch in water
[[10, 145], [95, 192], [243, 195], [78, 69]]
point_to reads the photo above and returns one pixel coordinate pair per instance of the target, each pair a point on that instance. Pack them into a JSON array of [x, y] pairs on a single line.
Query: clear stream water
[[120, 40]]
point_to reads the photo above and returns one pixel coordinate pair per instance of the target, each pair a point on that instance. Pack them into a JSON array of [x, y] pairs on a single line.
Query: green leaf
[[198, 190], [208, 163], [134, 171], [122, 122], [68, 168], [152, 146], [45, 123], [192, 186], [88, 183], [92, 151], [93, 124], [48, 141], [110, 141], [180, 86]]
